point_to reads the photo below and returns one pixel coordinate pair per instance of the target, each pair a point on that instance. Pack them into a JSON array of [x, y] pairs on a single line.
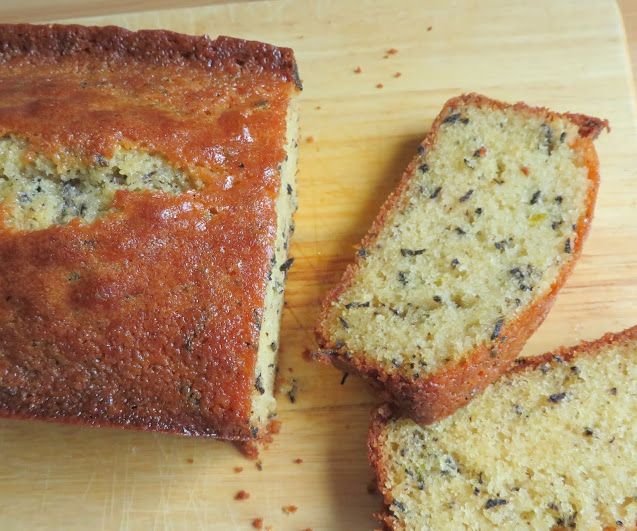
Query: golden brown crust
[[381, 416], [51, 43], [429, 399], [149, 317]]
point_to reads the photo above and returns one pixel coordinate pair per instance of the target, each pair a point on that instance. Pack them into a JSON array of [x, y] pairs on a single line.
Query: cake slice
[[467, 255], [549, 446], [146, 204]]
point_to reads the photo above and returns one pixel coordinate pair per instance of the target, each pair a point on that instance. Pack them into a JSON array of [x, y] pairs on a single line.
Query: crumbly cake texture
[[549, 446], [466, 256], [146, 200]]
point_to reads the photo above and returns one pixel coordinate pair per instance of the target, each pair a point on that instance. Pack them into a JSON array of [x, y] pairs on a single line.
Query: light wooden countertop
[[41, 10]]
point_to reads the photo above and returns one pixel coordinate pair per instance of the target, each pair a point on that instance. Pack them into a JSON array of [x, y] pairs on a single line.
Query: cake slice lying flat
[[467, 255], [549, 446], [146, 200]]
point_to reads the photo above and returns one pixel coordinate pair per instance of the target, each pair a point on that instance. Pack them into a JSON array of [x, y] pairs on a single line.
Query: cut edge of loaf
[[381, 416], [438, 395]]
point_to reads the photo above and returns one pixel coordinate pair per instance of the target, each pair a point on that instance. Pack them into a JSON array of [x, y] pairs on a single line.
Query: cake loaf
[[467, 255], [146, 204], [549, 446]]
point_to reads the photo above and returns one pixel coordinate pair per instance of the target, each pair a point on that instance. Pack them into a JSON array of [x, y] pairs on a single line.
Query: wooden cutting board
[[357, 139]]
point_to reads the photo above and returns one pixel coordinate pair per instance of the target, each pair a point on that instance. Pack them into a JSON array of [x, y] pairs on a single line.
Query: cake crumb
[[318, 107], [259, 465], [309, 139], [242, 495], [358, 70], [294, 389], [257, 523], [274, 426], [397, 74], [298, 460], [379, 85], [429, 28], [190, 460], [392, 51], [289, 509], [237, 469], [524, 170]]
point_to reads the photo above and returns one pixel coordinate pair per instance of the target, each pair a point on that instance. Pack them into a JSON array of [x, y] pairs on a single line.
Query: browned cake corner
[[467, 255], [548, 446], [147, 194]]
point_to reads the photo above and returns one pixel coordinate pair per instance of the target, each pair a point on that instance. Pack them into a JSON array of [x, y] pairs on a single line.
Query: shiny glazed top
[[148, 317]]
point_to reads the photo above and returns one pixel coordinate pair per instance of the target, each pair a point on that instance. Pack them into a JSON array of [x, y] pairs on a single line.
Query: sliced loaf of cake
[[467, 255], [549, 446], [146, 198]]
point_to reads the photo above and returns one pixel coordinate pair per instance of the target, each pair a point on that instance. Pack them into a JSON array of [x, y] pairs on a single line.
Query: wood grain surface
[[356, 141]]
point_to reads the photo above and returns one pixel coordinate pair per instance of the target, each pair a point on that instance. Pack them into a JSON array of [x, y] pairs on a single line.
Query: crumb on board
[[294, 389], [309, 139], [237, 469], [298, 460], [257, 523], [344, 378], [372, 486], [289, 509], [318, 107], [358, 70], [274, 426], [290, 369], [242, 495], [379, 85], [259, 465], [392, 51], [397, 74], [190, 460], [429, 28]]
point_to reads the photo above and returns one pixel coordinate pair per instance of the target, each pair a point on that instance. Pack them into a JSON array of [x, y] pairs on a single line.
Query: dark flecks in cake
[[478, 211], [459, 231], [421, 150], [402, 278], [562, 137], [285, 266], [481, 152], [547, 133], [289, 189], [74, 276], [466, 196], [613, 391], [350, 305], [398, 313], [495, 502], [502, 244], [555, 225], [455, 117], [343, 322], [396, 362], [588, 432], [399, 505], [469, 163], [435, 193], [258, 384], [254, 430], [497, 328], [412, 252], [273, 346], [558, 199], [424, 168], [363, 253], [535, 197], [567, 246], [455, 263], [437, 299], [557, 397]]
